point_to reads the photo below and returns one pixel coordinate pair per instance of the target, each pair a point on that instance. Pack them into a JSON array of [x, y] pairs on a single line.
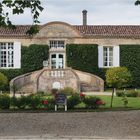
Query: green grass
[[133, 103]]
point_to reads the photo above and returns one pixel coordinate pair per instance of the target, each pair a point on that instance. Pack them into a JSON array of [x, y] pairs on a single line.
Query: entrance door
[[57, 61]]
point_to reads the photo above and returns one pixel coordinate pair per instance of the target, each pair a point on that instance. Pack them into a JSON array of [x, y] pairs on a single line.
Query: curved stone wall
[[47, 79]]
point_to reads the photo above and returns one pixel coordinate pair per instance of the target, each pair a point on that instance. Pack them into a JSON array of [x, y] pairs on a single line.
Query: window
[[6, 55], [57, 61], [108, 56], [56, 44], [10, 54]]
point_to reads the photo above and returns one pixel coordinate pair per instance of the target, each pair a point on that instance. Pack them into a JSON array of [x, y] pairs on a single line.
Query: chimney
[[84, 17]]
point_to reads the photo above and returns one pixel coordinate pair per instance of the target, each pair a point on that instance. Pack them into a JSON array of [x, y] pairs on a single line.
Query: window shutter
[[17, 55], [116, 56], [100, 56]]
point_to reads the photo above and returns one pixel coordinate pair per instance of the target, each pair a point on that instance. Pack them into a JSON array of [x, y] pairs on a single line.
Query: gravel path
[[95, 124]]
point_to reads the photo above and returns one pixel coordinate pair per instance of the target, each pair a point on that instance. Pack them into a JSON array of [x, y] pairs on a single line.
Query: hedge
[[84, 57], [130, 58], [31, 59]]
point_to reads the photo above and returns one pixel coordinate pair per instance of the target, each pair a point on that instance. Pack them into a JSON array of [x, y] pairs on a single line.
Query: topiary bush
[[3, 82], [4, 101]]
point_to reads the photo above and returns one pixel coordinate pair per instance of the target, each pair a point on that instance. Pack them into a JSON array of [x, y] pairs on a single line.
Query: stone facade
[[47, 79]]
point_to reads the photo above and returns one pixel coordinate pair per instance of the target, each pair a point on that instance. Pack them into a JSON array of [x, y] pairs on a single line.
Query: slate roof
[[117, 31]]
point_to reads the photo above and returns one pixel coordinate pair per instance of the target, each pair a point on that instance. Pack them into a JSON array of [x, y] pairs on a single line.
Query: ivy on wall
[[32, 58], [84, 57], [130, 58]]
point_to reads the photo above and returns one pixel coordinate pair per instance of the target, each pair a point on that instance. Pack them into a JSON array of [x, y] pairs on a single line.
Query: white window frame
[[57, 44], [57, 60], [16, 55], [108, 56], [9, 60], [116, 56]]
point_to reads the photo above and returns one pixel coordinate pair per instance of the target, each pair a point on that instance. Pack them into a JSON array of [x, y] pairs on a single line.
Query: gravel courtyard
[[85, 125]]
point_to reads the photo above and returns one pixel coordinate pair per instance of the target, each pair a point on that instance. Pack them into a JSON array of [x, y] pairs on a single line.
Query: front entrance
[[57, 61]]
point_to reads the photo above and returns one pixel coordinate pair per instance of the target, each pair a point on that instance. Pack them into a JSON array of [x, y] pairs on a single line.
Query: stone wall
[[47, 79]]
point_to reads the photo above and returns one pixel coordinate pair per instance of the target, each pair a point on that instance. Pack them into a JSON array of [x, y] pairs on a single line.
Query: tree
[[3, 81], [137, 2], [18, 7], [117, 78]]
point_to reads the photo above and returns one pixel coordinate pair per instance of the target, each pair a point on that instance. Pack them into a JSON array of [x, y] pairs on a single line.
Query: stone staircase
[[47, 79]]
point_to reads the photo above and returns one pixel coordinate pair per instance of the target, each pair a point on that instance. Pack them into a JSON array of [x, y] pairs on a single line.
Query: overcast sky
[[108, 12]]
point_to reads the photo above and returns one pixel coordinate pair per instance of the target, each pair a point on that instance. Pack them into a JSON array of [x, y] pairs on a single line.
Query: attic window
[[56, 44]]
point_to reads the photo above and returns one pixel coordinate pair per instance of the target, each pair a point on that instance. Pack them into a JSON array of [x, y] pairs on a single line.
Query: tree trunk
[[112, 97]]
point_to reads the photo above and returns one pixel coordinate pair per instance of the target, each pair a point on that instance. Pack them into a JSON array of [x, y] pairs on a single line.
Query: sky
[[100, 12]]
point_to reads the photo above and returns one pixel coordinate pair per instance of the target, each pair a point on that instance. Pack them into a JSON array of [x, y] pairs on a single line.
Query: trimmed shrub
[[132, 94], [34, 101], [93, 102], [51, 103], [4, 101], [120, 93], [19, 102], [73, 100], [3, 81]]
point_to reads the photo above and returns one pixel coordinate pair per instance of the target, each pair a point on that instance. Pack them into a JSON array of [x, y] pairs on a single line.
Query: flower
[[100, 102], [45, 102], [82, 94]]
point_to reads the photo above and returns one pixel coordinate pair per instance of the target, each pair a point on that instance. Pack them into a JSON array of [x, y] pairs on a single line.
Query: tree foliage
[[118, 77], [137, 2], [18, 7], [3, 81]]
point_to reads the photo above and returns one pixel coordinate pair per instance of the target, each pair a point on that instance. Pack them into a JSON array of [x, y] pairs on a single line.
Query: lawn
[[133, 103]]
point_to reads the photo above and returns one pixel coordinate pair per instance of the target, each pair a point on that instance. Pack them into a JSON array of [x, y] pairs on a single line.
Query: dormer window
[[57, 44]]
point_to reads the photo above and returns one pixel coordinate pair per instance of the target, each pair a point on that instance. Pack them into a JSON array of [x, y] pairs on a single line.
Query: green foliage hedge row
[[31, 59], [84, 57], [130, 58], [128, 93]]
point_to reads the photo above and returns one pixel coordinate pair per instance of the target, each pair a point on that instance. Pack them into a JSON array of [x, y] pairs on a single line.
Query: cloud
[[99, 12]]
